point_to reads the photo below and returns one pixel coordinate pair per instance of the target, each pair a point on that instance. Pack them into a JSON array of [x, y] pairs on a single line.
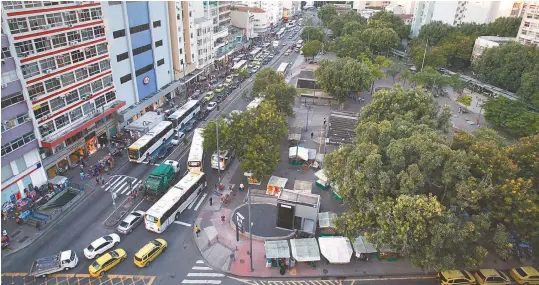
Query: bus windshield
[[133, 154], [152, 219]]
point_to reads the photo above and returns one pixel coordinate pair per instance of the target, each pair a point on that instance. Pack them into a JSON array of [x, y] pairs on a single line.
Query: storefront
[[91, 143], [75, 156]]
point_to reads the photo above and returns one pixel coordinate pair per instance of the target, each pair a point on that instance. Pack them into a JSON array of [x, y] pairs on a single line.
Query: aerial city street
[[270, 142]]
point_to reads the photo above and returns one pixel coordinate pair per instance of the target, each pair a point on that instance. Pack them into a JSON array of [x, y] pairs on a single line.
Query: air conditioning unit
[[4, 86], [100, 17], [87, 49], [46, 27], [34, 99], [72, 43], [48, 71]]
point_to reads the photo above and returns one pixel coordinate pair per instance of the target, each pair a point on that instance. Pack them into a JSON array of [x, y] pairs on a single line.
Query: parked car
[[284, 44], [220, 88], [525, 275], [177, 139], [107, 262], [491, 276], [287, 52], [460, 277], [130, 222], [209, 96], [211, 106], [149, 252], [101, 245]]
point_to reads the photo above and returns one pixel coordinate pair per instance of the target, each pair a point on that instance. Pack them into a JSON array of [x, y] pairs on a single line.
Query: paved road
[[84, 224]]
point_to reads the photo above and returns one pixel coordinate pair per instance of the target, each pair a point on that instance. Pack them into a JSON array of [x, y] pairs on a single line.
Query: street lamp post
[[250, 231]]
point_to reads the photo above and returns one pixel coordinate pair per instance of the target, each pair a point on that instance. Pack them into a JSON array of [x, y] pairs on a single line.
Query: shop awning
[[325, 219], [277, 249], [320, 174], [58, 180], [336, 249], [298, 151], [305, 249], [277, 181], [303, 186], [362, 246]]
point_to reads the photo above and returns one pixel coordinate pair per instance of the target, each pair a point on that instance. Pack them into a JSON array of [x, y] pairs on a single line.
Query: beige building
[[484, 42], [528, 33]]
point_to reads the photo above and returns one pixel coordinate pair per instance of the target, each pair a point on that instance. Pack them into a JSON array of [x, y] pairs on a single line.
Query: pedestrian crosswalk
[[120, 184], [203, 274]]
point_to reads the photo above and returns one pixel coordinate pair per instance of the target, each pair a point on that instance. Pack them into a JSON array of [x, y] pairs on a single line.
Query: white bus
[[255, 103], [226, 158], [196, 154], [148, 143], [283, 68], [239, 66], [255, 52], [167, 209], [184, 114], [281, 33]]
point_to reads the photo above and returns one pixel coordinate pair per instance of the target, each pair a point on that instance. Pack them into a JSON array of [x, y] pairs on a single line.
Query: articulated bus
[[255, 52], [196, 154], [184, 114], [283, 68], [148, 143], [167, 209], [255, 103]]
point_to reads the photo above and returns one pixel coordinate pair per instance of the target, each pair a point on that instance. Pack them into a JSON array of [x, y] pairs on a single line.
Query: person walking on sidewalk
[[211, 201], [197, 230]]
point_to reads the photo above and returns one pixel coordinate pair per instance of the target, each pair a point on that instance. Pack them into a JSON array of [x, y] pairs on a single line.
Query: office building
[[61, 57], [528, 33]]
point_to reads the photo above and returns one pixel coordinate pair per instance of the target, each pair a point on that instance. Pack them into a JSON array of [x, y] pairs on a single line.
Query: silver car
[[131, 222]]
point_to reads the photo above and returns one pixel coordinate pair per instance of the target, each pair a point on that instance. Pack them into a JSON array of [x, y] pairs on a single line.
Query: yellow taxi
[[106, 262], [150, 252], [226, 84], [220, 88], [525, 275], [455, 277], [491, 276], [209, 96], [287, 52]]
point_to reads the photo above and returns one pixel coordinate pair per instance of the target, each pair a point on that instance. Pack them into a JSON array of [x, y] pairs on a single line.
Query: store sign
[[146, 80]]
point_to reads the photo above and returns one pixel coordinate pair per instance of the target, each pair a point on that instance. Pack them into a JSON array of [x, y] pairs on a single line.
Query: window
[[100, 101], [52, 84], [77, 56], [72, 96], [142, 49], [62, 121], [110, 96], [59, 40], [24, 48], [9, 76], [55, 19], [63, 60], [46, 128], [29, 70], [73, 36], [88, 108], [140, 28], [84, 15], [70, 17], [161, 62], [17, 25], [42, 44], [7, 172], [87, 34], [93, 68], [85, 91], [10, 5], [157, 24], [90, 52], [17, 143], [107, 80], [21, 164], [97, 85], [57, 103], [67, 78], [42, 110], [95, 13], [105, 65], [37, 22], [36, 90], [99, 31], [47, 64], [75, 114], [12, 99], [112, 3], [158, 43], [144, 69], [122, 56], [6, 53], [118, 33], [101, 48], [81, 73], [124, 78], [16, 121]]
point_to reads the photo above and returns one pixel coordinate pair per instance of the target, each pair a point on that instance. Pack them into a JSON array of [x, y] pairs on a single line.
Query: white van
[[275, 44]]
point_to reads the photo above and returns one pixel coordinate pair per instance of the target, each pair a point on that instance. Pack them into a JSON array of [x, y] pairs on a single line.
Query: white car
[[101, 245], [211, 106], [178, 138]]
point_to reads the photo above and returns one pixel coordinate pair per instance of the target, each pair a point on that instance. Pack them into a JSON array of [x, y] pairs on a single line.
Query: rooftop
[[342, 128], [497, 39], [247, 9]]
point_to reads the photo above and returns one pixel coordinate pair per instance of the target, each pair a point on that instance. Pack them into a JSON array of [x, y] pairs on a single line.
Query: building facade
[[252, 18], [244, 20], [528, 33], [484, 42], [61, 57]]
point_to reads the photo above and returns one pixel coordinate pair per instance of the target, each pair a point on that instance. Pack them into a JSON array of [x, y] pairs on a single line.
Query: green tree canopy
[[529, 87], [271, 85], [312, 48], [350, 46], [380, 39], [210, 135], [312, 34], [351, 27], [327, 13], [391, 21], [504, 27], [394, 70], [263, 79], [514, 116], [341, 76], [434, 32]]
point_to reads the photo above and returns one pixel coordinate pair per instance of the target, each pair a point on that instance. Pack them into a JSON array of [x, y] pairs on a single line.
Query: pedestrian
[[82, 167], [38, 226], [197, 230], [242, 187], [223, 219], [312, 135], [18, 220], [211, 201], [324, 121]]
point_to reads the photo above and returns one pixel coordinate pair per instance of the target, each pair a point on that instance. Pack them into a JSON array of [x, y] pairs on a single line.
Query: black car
[[189, 126], [203, 114]]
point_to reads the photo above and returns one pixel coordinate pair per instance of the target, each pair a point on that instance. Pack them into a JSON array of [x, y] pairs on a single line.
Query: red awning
[[82, 127]]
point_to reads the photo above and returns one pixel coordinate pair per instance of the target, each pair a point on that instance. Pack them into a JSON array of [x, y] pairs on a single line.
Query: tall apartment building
[[456, 12], [274, 9], [61, 57], [528, 33]]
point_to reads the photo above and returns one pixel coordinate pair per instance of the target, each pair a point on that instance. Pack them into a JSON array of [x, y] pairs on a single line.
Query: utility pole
[[424, 54], [218, 153], [250, 231]]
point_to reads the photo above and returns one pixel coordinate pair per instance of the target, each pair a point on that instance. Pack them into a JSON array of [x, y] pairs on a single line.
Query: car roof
[[130, 218], [530, 270], [98, 242], [490, 272], [103, 258], [145, 249], [453, 274]]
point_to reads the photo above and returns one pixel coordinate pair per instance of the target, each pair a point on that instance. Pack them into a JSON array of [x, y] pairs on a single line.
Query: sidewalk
[[23, 235]]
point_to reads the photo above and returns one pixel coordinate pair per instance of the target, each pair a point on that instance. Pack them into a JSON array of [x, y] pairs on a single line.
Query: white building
[[395, 9], [360, 5], [456, 12], [261, 22], [274, 10], [484, 42], [291, 8], [244, 19], [528, 32]]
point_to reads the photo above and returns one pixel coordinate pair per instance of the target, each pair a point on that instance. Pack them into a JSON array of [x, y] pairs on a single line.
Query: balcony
[[83, 123], [220, 34], [224, 19]]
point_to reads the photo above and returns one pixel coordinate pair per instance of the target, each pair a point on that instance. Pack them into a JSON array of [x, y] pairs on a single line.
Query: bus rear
[[196, 154]]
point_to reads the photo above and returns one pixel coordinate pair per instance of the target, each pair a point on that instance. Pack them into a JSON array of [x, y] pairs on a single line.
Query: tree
[[512, 116], [529, 88], [350, 28], [465, 99], [326, 14], [312, 48], [504, 27], [434, 56], [394, 70], [457, 49], [263, 79], [526, 153], [391, 21], [336, 26], [350, 46], [434, 32], [312, 34], [282, 96], [341, 76], [380, 39], [243, 74], [210, 136], [309, 22]]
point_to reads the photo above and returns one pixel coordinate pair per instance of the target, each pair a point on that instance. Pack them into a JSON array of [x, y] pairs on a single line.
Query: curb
[[58, 219]]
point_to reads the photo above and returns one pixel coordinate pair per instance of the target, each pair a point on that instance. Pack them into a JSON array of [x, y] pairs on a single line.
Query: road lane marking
[[201, 268], [200, 261], [115, 182], [205, 275], [201, 282], [201, 200], [182, 223]]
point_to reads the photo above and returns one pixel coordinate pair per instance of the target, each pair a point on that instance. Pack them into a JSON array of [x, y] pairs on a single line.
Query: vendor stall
[[60, 181], [335, 192], [325, 222], [319, 159], [277, 253], [293, 139], [336, 249], [301, 186], [363, 248], [322, 181], [250, 179], [384, 252], [276, 184], [305, 250], [298, 155]]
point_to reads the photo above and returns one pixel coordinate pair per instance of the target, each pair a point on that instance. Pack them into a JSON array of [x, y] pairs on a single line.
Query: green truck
[[162, 178]]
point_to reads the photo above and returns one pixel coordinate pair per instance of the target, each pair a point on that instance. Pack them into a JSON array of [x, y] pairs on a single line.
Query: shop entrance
[[76, 155], [51, 172], [91, 143]]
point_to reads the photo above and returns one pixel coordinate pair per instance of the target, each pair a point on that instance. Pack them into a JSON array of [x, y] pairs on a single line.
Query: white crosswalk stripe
[[119, 184], [201, 274]]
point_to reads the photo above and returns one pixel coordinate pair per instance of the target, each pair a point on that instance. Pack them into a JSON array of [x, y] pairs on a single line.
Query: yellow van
[[525, 275], [106, 262], [149, 252], [455, 277]]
